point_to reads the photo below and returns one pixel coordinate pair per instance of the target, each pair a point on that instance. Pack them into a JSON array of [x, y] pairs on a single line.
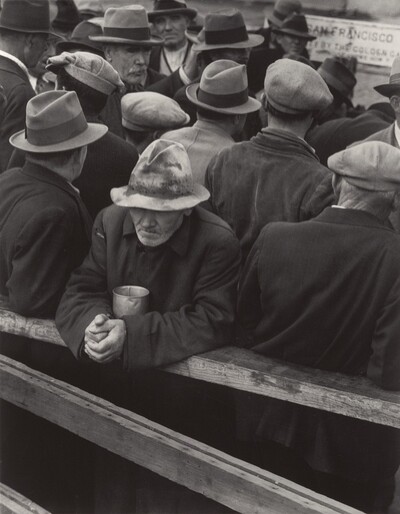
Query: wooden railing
[[218, 476], [12, 502]]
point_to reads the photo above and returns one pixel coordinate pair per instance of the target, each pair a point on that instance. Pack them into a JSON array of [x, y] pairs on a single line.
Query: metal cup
[[128, 300]]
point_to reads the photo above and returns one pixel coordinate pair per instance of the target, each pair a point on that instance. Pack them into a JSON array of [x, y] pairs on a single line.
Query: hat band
[[336, 83], [220, 37], [226, 100], [158, 192], [138, 34], [278, 15], [163, 6], [53, 135], [394, 79]]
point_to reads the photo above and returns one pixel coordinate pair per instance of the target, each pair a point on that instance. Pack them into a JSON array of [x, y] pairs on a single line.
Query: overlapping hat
[[372, 165], [88, 68], [295, 25], [282, 9], [226, 29], [55, 123], [164, 7], [294, 88], [67, 17], [147, 111], [223, 88], [162, 180], [79, 39], [29, 16], [393, 87], [338, 77], [127, 25]]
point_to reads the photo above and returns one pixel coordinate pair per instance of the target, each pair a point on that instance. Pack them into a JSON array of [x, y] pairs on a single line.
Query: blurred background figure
[[293, 35], [79, 40]]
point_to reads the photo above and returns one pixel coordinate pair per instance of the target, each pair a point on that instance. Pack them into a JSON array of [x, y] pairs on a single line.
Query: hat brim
[[254, 40], [66, 46], [191, 13], [154, 41], [123, 197], [388, 90], [251, 105], [93, 132], [296, 33], [27, 30]]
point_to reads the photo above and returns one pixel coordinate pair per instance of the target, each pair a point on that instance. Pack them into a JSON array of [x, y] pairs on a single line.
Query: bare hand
[[96, 331], [110, 347]]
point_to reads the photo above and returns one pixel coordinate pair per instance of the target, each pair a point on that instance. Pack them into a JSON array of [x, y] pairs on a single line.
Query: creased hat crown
[[295, 25], [282, 9], [337, 76], [393, 87], [25, 15]]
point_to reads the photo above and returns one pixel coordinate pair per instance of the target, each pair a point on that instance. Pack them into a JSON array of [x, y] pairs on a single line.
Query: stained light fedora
[[127, 25], [162, 180], [29, 16], [282, 9], [393, 87], [79, 39], [223, 88], [226, 29], [339, 78], [295, 25], [164, 7], [55, 123]]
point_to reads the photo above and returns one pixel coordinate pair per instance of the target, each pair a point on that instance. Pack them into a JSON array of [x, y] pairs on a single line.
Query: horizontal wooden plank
[[244, 370], [12, 502], [232, 482]]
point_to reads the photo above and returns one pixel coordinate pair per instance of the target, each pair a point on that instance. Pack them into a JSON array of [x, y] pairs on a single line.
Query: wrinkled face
[[238, 55], [172, 29], [291, 44], [131, 62], [154, 228], [36, 45], [50, 50]]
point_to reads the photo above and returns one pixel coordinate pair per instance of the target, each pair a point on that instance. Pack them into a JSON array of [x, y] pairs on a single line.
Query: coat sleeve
[[206, 323], [384, 363], [321, 197], [167, 86], [35, 287], [86, 294]]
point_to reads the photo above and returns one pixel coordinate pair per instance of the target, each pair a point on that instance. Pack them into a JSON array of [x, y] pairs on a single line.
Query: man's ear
[[107, 53], [395, 103]]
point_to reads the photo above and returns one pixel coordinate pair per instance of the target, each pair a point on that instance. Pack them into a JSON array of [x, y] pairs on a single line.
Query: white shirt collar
[[16, 60], [397, 133]]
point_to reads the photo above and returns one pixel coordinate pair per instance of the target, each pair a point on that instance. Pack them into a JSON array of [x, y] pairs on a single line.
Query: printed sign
[[370, 43]]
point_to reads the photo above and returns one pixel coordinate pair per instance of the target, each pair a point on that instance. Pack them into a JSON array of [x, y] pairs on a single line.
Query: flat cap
[[148, 111], [294, 88], [372, 165]]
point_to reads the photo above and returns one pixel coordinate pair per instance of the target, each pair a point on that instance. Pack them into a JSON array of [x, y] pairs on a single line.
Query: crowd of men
[[234, 179]]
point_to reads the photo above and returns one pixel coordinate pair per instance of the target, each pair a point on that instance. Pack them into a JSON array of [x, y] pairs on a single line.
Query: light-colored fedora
[[170, 7], [55, 123], [162, 180], [283, 9], [29, 16], [223, 88], [393, 87], [226, 29], [338, 77], [127, 25]]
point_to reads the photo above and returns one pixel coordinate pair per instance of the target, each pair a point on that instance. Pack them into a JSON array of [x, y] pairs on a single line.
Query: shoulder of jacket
[[211, 220]]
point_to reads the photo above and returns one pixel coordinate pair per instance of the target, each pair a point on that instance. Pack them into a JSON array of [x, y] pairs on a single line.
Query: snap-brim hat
[[226, 29], [88, 68], [162, 180], [67, 17], [169, 7], [295, 25], [29, 16], [127, 25], [282, 9], [372, 165], [89, 8], [55, 123], [294, 88], [338, 77], [223, 88], [393, 87], [147, 111], [79, 39]]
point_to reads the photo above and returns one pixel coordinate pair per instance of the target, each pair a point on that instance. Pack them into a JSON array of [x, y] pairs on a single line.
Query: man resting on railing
[[326, 294]]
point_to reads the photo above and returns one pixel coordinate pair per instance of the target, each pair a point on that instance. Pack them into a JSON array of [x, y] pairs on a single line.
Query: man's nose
[[139, 58], [148, 220], [168, 25]]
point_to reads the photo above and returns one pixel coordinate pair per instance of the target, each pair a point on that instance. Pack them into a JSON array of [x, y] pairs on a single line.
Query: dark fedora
[[282, 9], [393, 87], [67, 16], [226, 29], [29, 16], [80, 39], [164, 7], [55, 123], [339, 78], [223, 88], [127, 25], [295, 25]]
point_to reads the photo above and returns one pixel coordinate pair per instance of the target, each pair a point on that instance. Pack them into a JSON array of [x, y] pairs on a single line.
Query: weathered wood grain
[[232, 482], [12, 502]]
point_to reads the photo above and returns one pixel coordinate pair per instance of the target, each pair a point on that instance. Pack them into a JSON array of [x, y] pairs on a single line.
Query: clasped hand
[[104, 339]]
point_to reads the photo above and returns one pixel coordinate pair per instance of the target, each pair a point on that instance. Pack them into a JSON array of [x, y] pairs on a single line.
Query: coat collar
[[284, 139], [179, 242], [44, 175], [351, 217]]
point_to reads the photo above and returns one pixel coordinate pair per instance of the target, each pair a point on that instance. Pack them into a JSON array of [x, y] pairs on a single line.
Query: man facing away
[[326, 294], [275, 176]]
